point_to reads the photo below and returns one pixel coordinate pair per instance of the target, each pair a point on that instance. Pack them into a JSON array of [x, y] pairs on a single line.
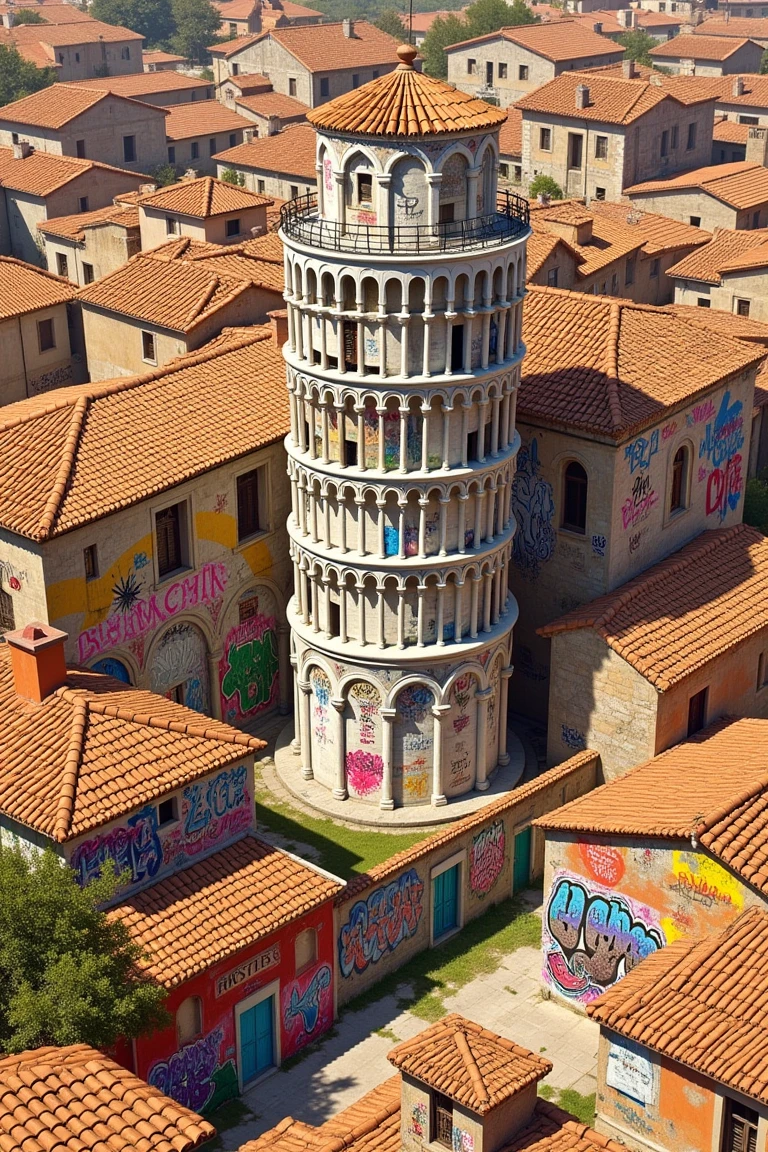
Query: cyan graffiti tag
[[379, 924], [308, 1006], [641, 451]]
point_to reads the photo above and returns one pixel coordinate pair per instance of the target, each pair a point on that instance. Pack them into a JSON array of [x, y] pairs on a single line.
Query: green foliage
[[165, 174], [486, 16], [582, 1107], [637, 44], [231, 177], [18, 77], [389, 21], [206, 74], [152, 18], [197, 26], [68, 974], [545, 185], [27, 16], [756, 502], [445, 30]]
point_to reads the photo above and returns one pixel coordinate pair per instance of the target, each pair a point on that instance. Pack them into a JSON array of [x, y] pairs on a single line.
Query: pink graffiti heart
[[603, 862]]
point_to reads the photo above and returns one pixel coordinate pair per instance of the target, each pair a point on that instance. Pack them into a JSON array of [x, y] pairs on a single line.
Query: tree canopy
[[18, 77], [543, 185], [152, 18], [481, 18], [68, 973], [197, 26], [389, 21], [27, 16], [637, 44]]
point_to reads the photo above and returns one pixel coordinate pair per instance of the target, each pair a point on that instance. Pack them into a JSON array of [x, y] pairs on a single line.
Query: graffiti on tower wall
[[533, 505], [413, 744], [486, 858]]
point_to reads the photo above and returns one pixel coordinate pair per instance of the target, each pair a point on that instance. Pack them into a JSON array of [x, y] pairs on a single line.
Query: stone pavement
[[354, 1060]]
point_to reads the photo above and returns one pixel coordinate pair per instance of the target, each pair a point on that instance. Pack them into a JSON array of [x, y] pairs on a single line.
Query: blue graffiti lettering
[[308, 1005], [724, 437], [533, 505], [641, 451], [380, 923]]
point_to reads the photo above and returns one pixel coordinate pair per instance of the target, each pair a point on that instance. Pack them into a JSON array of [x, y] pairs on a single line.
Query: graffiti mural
[[604, 863], [640, 504], [534, 507], [363, 762], [592, 937], [461, 738], [418, 1122], [486, 858], [413, 744], [307, 1008], [194, 1076], [364, 772], [572, 738], [379, 924], [641, 451], [462, 1141], [321, 698], [180, 666], [114, 668], [720, 451], [248, 670]]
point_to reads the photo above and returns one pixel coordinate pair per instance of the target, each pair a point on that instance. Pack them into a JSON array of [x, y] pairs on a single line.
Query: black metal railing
[[300, 221]]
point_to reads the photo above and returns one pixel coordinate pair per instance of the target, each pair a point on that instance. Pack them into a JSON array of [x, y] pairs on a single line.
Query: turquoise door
[[521, 873], [257, 1039], [446, 902]]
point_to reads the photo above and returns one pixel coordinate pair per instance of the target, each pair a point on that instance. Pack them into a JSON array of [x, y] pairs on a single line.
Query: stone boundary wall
[[385, 916]]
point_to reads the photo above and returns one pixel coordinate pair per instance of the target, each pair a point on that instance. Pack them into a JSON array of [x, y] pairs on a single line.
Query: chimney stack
[[757, 145], [37, 660], [22, 150], [8, 18], [737, 88], [279, 321], [248, 135], [598, 27], [582, 96], [273, 125], [348, 28], [628, 69]]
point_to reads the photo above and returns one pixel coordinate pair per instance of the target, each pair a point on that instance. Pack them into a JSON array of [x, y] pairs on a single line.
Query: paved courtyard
[[354, 1060]]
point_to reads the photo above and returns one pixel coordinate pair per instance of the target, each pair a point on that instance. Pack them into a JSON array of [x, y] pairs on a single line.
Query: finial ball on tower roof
[[406, 54]]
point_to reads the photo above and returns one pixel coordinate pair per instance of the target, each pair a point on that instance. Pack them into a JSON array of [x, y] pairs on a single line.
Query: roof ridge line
[[612, 363], [56, 496], [461, 1042], [145, 720], [66, 805], [204, 299], [705, 824]]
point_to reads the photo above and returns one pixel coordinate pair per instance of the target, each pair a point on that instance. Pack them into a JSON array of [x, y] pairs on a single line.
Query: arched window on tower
[[574, 517]]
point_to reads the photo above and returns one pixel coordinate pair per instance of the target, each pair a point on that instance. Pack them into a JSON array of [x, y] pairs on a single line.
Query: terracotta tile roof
[[203, 198], [474, 1067], [146, 83], [612, 26], [248, 889], [540, 247], [511, 134], [720, 88], [55, 106], [728, 250], [292, 152], [254, 260], [751, 28], [685, 611], [559, 40], [641, 71], [203, 118], [325, 48], [612, 99], [74, 227], [659, 233], [687, 47], [406, 103], [55, 13], [702, 1003], [296, 11], [234, 9], [24, 288], [724, 324], [97, 749], [249, 84], [64, 35], [42, 173], [162, 58], [69, 1099], [610, 239], [41, 55], [58, 468], [273, 104], [611, 366], [742, 184], [232, 47], [729, 132]]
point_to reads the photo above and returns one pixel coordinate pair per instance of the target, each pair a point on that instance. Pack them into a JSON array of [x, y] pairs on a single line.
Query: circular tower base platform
[[317, 796]]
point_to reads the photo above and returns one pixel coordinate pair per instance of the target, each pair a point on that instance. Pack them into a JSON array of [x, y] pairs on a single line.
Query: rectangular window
[[80, 149], [83, 203], [615, 284], [166, 811], [445, 902], [703, 302], [126, 54], [575, 150], [292, 86], [148, 347], [442, 1120], [305, 950], [740, 1130], [46, 336], [502, 71], [545, 139], [169, 527], [697, 715], [756, 219], [232, 139], [629, 276], [293, 190], [552, 278], [375, 74], [62, 264], [364, 188], [599, 193], [522, 71], [233, 227], [761, 671], [742, 307], [471, 66], [675, 136], [504, 171], [171, 226], [129, 149], [194, 151], [211, 145], [655, 268], [261, 186], [87, 273], [235, 69], [748, 119], [90, 562], [325, 87], [601, 147], [694, 221], [355, 80], [518, 173], [691, 142], [172, 154], [249, 488], [665, 143]]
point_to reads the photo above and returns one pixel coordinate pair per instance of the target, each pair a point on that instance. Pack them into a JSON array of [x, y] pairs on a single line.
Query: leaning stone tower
[[404, 285]]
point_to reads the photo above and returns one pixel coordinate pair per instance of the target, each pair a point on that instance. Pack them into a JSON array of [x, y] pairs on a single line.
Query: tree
[[197, 25], [764, 63], [152, 18], [165, 174], [68, 973], [390, 22], [486, 16], [27, 16], [445, 30], [18, 77], [637, 44], [542, 185], [229, 176]]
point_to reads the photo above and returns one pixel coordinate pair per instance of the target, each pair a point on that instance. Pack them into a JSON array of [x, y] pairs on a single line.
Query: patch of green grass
[[387, 1034], [582, 1107], [512, 991], [542, 1049], [546, 1091], [436, 973], [230, 1115]]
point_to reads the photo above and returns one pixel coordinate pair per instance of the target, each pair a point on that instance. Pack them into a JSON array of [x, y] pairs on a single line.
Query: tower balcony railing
[[300, 221]]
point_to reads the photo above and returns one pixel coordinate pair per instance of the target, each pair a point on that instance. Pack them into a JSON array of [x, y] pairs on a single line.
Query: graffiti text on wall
[[641, 451], [380, 923], [720, 449], [486, 858], [249, 668], [534, 507], [193, 1075], [244, 972], [308, 1006]]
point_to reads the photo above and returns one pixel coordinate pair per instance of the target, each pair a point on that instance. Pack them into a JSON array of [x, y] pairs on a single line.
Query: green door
[[521, 873], [445, 915]]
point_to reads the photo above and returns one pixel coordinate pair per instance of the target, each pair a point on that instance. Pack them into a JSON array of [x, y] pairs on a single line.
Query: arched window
[[189, 1020], [678, 495], [574, 517], [305, 949]]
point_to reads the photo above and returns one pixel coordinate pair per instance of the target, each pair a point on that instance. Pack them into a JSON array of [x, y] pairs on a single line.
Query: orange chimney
[[37, 660], [279, 321]]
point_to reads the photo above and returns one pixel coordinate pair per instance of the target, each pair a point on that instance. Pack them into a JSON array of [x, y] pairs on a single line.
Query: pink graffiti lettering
[[486, 858], [632, 514], [669, 430], [700, 887], [700, 413], [724, 487]]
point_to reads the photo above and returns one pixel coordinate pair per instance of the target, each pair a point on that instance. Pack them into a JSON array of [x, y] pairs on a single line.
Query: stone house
[[245, 17], [202, 209], [755, 28], [173, 574], [36, 186], [161, 87], [595, 134], [511, 151], [728, 273], [659, 1087], [81, 50], [689, 55], [89, 245], [602, 412], [34, 331], [283, 165], [196, 132], [513, 62], [270, 111], [729, 141], [717, 196], [614, 23], [659, 658], [653, 859], [234, 87], [163, 61], [66, 120], [741, 99], [312, 64]]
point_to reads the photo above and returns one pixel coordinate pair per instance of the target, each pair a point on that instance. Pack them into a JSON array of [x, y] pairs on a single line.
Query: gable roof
[[58, 468], [474, 1067], [725, 324], [273, 104], [54, 13], [612, 99], [248, 889], [70, 35], [739, 27], [754, 92], [258, 261], [615, 366], [511, 134], [729, 250], [74, 227], [203, 118], [609, 241], [686, 610], [291, 152], [204, 197], [57, 105], [659, 234], [727, 131], [146, 83], [42, 173], [97, 749], [558, 40], [24, 288], [325, 48], [742, 184], [73, 1098], [232, 47], [702, 47], [540, 247]]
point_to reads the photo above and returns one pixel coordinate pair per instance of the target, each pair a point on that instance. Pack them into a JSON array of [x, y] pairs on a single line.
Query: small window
[[194, 151], [447, 213], [171, 226], [62, 264], [629, 275], [756, 219], [80, 149], [129, 149], [87, 273], [522, 71], [235, 69], [742, 307], [761, 680], [518, 173], [552, 278], [125, 54], [172, 154], [375, 74], [504, 171], [83, 203], [232, 139], [599, 193], [232, 30], [678, 496], [325, 87], [694, 221], [61, 57], [697, 714], [675, 136], [166, 811], [293, 190], [471, 66], [545, 139], [665, 143], [748, 119], [305, 950], [355, 80], [703, 302], [691, 142], [292, 86], [189, 1020], [233, 227], [601, 147], [77, 57], [14, 137], [7, 615], [212, 145], [442, 1120], [46, 336], [148, 350], [655, 268], [574, 517], [91, 562], [261, 186], [248, 492], [502, 71], [364, 188], [169, 525], [614, 284]]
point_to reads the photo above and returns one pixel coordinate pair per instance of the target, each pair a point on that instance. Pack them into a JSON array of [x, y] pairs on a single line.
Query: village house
[[661, 858], [34, 331], [283, 165], [511, 151], [615, 23], [245, 17], [172, 575], [269, 112], [196, 132], [755, 29], [313, 64], [234, 87], [513, 62], [419, 23], [728, 273], [729, 141], [742, 8], [715, 196], [36, 186], [78, 51], [202, 209], [66, 120], [163, 88], [741, 99], [595, 134], [703, 55], [89, 245], [666, 654], [157, 61], [702, 1087], [595, 496]]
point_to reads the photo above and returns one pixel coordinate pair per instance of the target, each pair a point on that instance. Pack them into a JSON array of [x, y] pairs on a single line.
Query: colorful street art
[[462, 1141], [413, 743], [698, 880], [720, 449], [180, 661], [114, 668], [638, 507], [307, 1008], [379, 924], [321, 697], [592, 937], [641, 451], [534, 507], [248, 670], [364, 771], [604, 863], [418, 1122], [486, 858], [194, 1076]]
